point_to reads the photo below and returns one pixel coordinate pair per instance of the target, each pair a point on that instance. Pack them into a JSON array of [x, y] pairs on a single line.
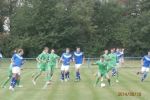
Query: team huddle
[[46, 63]]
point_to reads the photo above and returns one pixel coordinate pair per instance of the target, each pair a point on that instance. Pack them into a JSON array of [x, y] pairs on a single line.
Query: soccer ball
[[103, 85]]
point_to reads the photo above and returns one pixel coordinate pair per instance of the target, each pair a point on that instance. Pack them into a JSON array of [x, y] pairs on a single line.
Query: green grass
[[84, 90]]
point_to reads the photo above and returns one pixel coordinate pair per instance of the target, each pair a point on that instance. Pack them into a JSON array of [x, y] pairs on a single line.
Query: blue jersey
[[146, 61], [66, 58], [118, 55], [78, 57], [17, 60]]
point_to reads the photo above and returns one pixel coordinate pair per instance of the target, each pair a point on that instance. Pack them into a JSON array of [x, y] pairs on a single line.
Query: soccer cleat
[[11, 88], [33, 81]]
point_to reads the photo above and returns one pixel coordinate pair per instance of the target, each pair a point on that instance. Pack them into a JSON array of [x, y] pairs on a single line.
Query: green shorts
[[42, 67], [102, 74], [51, 67]]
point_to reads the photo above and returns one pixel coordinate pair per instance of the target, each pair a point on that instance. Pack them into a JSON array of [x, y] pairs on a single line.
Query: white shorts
[[77, 66], [145, 69], [16, 70], [65, 67]]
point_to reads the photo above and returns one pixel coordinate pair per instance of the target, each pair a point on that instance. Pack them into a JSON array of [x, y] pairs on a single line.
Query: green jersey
[[102, 67], [112, 59], [106, 57], [52, 59], [43, 58]]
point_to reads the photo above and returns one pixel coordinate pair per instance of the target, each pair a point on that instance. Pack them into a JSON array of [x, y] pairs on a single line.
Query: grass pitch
[[129, 82]]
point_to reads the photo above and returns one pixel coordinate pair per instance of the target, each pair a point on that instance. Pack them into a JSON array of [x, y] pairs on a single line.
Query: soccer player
[[42, 60], [118, 54], [66, 58], [17, 62], [10, 74], [122, 56], [102, 68], [78, 59], [51, 65], [145, 62], [112, 64]]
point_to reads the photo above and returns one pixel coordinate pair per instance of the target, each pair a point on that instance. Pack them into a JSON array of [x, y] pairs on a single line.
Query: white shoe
[[11, 88], [34, 83], [117, 81], [66, 80], [20, 86]]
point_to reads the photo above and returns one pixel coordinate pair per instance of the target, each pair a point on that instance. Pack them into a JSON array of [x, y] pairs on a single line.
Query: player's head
[[102, 58], [67, 50], [78, 49], [52, 51], [20, 51], [112, 50], [106, 51], [46, 49]]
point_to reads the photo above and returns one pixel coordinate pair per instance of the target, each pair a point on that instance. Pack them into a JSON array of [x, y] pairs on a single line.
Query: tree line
[[93, 25]]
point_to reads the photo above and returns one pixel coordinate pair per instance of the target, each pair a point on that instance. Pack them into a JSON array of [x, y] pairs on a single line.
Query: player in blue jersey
[[10, 74], [145, 62], [66, 58], [17, 62], [78, 59]]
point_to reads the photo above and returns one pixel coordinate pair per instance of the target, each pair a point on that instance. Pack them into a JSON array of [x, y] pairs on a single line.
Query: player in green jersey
[[102, 68], [51, 65], [106, 57], [112, 63], [42, 60]]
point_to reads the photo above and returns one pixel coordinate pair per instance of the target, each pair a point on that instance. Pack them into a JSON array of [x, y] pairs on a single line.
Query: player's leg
[[5, 82], [37, 75], [108, 78], [8, 78], [37, 71], [67, 73], [77, 69], [145, 73], [97, 80], [15, 71], [62, 73]]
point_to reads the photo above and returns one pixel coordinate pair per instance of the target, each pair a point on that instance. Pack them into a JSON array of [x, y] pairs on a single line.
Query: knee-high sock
[[62, 75], [113, 72], [77, 75], [68, 74], [13, 82], [108, 81], [144, 76]]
